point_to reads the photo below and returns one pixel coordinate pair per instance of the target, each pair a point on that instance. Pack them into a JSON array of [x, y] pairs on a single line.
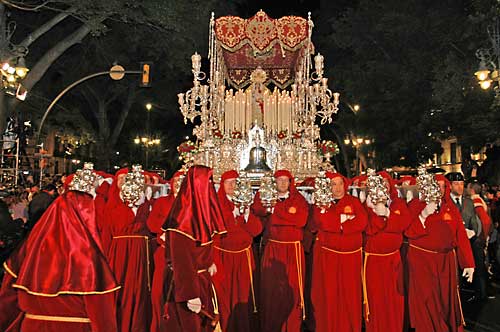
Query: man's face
[[282, 184], [120, 180], [442, 187], [337, 185], [229, 186], [457, 188], [387, 184]]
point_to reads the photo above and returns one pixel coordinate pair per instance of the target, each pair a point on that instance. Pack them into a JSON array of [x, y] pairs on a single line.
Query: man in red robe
[[129, 255], [283, 266], [59, 279], [337, 260], [383, 270], [194, 219], [233, 252], [437, 238], [162, 275]]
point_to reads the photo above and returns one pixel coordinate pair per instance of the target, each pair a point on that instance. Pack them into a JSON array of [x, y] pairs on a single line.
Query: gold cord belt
[[58, 318], [250, 270], [147, 251], [365, 289], [298, 247]]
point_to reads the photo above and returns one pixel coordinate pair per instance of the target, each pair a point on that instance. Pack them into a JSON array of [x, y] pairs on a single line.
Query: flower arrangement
[[282, 134], [186, 149], [236, 134], [327, 147], [217, 133]]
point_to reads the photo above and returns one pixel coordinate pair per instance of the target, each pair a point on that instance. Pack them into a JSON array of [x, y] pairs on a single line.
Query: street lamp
[[12, 75], [489, 65], [147, 142], [357, 143]]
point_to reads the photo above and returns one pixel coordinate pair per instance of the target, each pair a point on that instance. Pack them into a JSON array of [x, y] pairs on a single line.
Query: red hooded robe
[[129, 256], [195, 217], [283, 264], [434, 300], [336, 292], [162, 275], [59, 279], [233, 252], [383, 270]]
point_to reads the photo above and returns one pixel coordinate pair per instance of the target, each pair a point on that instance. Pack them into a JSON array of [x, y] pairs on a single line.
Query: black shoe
[[472, 299]]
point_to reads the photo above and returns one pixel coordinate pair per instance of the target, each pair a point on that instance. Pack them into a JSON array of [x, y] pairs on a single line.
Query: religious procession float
[[259, 104]]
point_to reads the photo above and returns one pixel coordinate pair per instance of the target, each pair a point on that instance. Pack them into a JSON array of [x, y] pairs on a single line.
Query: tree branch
[[25, 7], [52, 55], [132, 93], [44, 28], [114, 96]]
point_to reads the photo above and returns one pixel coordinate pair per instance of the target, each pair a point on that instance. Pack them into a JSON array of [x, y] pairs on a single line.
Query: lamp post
[[147, 142], [12, 76], [489, 64], [357, 143]]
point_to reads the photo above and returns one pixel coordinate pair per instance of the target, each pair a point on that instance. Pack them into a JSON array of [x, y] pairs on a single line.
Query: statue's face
[[229, 186], [337, 185], [282, 184]]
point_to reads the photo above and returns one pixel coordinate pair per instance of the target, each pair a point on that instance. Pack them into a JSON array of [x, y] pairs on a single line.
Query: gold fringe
[[65, 292], [9, 271], [58, 318]]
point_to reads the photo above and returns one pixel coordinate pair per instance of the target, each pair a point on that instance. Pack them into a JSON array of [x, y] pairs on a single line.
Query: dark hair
[[50, 187], [476, 186]]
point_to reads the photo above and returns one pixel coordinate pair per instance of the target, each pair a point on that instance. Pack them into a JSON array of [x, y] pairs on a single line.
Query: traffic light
[[146, 74]]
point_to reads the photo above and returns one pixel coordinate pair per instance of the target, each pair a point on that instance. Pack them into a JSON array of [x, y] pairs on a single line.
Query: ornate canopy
[[275, 45]]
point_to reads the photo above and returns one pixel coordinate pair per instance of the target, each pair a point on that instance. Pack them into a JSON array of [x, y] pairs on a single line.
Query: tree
[[410, 64]]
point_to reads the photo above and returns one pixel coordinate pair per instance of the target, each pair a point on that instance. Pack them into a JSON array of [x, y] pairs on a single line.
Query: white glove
[[381, 210], [108, 180], [149, 193], [246, 214], [409, 196], [369, 202], [163, 237], [428, 210], [362, 196], [236, 212], [212, 269], [345, 217], [468, 273], [194, 305], [470, 233]]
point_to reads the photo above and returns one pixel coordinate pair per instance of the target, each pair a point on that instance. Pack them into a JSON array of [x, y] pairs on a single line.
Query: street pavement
[[482, 316]]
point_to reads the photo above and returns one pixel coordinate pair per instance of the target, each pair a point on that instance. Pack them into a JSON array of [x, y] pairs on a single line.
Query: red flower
[[236, 135], [217, 133], [282, 134]]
